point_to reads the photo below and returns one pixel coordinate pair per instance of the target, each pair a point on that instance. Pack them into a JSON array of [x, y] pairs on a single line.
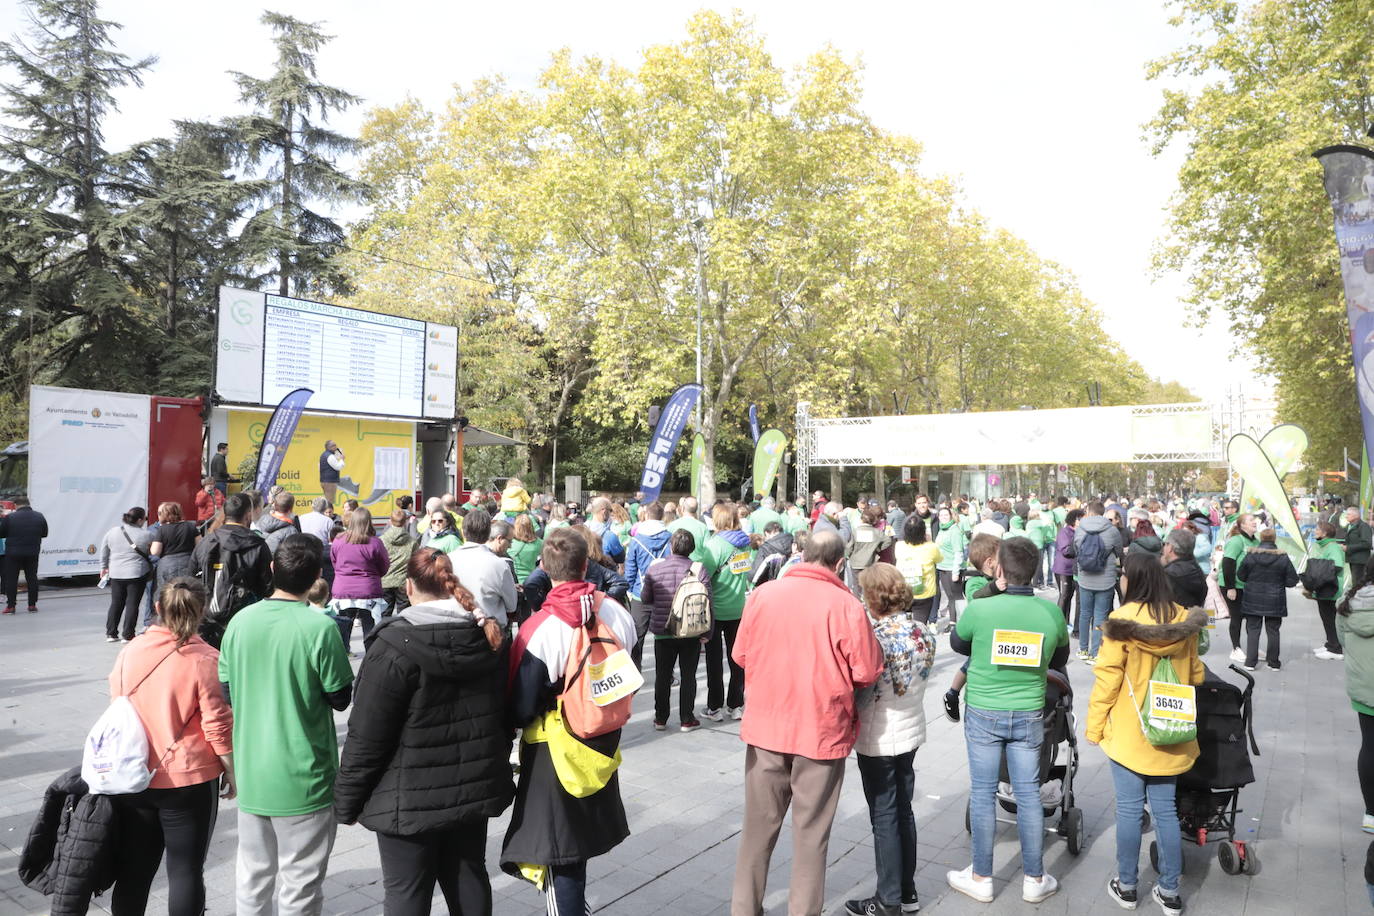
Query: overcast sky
[[1036, 108]]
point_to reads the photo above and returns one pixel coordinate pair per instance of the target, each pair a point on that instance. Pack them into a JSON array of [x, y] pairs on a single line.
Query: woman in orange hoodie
[[171, 676], [1148, 628]]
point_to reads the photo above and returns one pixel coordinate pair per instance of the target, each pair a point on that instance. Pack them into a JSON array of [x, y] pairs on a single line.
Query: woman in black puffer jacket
[[1268, 573], [426, 764]]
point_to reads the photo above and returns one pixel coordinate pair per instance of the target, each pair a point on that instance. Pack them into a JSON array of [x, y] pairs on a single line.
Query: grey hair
[[767, 502], [1183, 540], [499, 529], [319, 504], [433, 504]]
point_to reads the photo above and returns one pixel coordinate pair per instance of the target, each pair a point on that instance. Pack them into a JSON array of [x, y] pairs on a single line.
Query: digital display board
[[355, 361]]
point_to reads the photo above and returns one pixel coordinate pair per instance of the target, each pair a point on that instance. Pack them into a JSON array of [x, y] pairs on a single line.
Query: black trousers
[[1237, 618], [179, 820], [396, 600], [1253, 624], [125, 597], [12, 566], [1365, 762], [949, 584], [684, 653], [454, 859], [1067, 589], [1327, 609], [640, 612], [718, 652]]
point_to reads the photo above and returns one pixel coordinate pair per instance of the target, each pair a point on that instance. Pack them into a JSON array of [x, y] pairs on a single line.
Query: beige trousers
[[772, 782]]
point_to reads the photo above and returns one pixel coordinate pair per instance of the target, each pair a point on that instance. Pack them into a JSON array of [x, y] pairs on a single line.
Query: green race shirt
[[759, 519], [699, 531], [795, 524], [729, 568], [1007, 631], [1235, 548], [280, 658]]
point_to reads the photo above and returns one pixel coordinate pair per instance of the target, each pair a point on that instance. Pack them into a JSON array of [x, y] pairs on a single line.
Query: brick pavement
[[684, 797]]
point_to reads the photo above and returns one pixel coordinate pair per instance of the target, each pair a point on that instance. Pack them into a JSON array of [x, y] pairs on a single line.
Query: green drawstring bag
[[1168, 714]]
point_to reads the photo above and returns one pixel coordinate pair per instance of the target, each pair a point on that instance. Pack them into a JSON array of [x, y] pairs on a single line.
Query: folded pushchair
[[1056, 778], [1208, 795]]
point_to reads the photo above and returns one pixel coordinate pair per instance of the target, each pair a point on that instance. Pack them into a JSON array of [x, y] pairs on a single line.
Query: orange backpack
[[599, 682]]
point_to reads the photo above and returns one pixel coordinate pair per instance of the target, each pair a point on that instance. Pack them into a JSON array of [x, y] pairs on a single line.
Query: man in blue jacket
[[649, 543], [23, 531]]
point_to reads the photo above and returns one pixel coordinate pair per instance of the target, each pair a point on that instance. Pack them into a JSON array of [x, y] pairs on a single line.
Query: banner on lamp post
[[767, 459], [754, 422], [1349, 181], [671, 422], [277, 438], [698, 458], [1366, 485]]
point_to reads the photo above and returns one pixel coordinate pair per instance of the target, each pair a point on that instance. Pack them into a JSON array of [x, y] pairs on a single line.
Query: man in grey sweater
[[1096, 579]]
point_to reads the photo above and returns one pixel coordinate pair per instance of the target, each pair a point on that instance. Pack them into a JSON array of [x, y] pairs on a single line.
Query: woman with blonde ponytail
[[425, 764]]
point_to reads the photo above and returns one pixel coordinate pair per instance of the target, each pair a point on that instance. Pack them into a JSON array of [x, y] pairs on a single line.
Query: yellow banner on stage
[[379, 456]]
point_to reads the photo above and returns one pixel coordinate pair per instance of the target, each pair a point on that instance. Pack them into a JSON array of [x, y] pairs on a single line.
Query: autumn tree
[[1256, 90]]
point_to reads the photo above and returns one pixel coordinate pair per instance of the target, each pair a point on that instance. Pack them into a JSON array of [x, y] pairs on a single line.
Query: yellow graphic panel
[[379, 457]]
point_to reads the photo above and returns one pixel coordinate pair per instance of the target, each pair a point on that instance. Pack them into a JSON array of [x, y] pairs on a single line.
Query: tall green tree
[[1253, 93], [70, 311], [286, 140], [179, 232]]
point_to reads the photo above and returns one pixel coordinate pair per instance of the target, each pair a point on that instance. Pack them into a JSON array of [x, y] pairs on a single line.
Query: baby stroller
[[1209, 793], [1056, 778]]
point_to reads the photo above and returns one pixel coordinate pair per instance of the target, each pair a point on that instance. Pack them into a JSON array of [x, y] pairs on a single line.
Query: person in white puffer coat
[[892, 725]]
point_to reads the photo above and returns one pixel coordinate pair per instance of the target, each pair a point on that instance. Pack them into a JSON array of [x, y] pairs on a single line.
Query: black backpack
[[1092, 553], [228, 575]]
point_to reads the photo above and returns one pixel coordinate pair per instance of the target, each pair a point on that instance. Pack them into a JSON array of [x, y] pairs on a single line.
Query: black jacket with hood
[[70, 852], [1268, 573], [427, 746], [235, 564]]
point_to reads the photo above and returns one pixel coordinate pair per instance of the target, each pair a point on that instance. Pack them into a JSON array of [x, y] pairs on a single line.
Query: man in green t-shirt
[[1010, 639], [688, 521], [285, 671]]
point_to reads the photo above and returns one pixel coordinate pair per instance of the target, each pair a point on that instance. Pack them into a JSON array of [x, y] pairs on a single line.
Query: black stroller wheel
[[1154, 856], [1145, 824], [1073, 830], [968, 818], [1228, 857], [1251, 863]]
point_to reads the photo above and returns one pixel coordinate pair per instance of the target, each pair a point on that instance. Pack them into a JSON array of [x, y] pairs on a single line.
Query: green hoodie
[[952, 544]]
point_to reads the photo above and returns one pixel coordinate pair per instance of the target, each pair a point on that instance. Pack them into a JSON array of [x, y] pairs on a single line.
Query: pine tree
[[178, 233], [70, 313], [286, 140]]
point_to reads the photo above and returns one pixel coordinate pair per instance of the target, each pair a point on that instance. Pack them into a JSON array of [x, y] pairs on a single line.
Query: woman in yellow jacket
[[1147, 627]]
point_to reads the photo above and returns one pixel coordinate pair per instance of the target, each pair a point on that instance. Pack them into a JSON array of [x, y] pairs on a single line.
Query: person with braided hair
[[430, 700]]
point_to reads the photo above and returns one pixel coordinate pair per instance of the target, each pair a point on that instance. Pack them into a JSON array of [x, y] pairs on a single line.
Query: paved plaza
[[684, 795]]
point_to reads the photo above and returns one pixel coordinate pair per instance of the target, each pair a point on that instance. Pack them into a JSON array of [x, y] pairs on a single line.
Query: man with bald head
[[805, 644], [689, 520]]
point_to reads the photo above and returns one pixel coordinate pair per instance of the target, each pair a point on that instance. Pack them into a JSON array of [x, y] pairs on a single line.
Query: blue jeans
[[889, 784], [1044, 572], [1131, 792], [1093, 609], [1020, 733]]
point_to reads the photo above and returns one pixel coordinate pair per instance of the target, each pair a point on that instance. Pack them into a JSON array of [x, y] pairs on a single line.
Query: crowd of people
[[824, 624]]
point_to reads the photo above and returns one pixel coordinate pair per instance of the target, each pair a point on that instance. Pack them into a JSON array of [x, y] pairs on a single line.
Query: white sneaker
[[964, 882], [715, 715], [1238, 656], [1327, 654], [1036, 890], [735, 712], [1367, 825]]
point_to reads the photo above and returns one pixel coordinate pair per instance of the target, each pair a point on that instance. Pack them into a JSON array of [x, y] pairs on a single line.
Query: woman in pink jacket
[[171, 676]]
